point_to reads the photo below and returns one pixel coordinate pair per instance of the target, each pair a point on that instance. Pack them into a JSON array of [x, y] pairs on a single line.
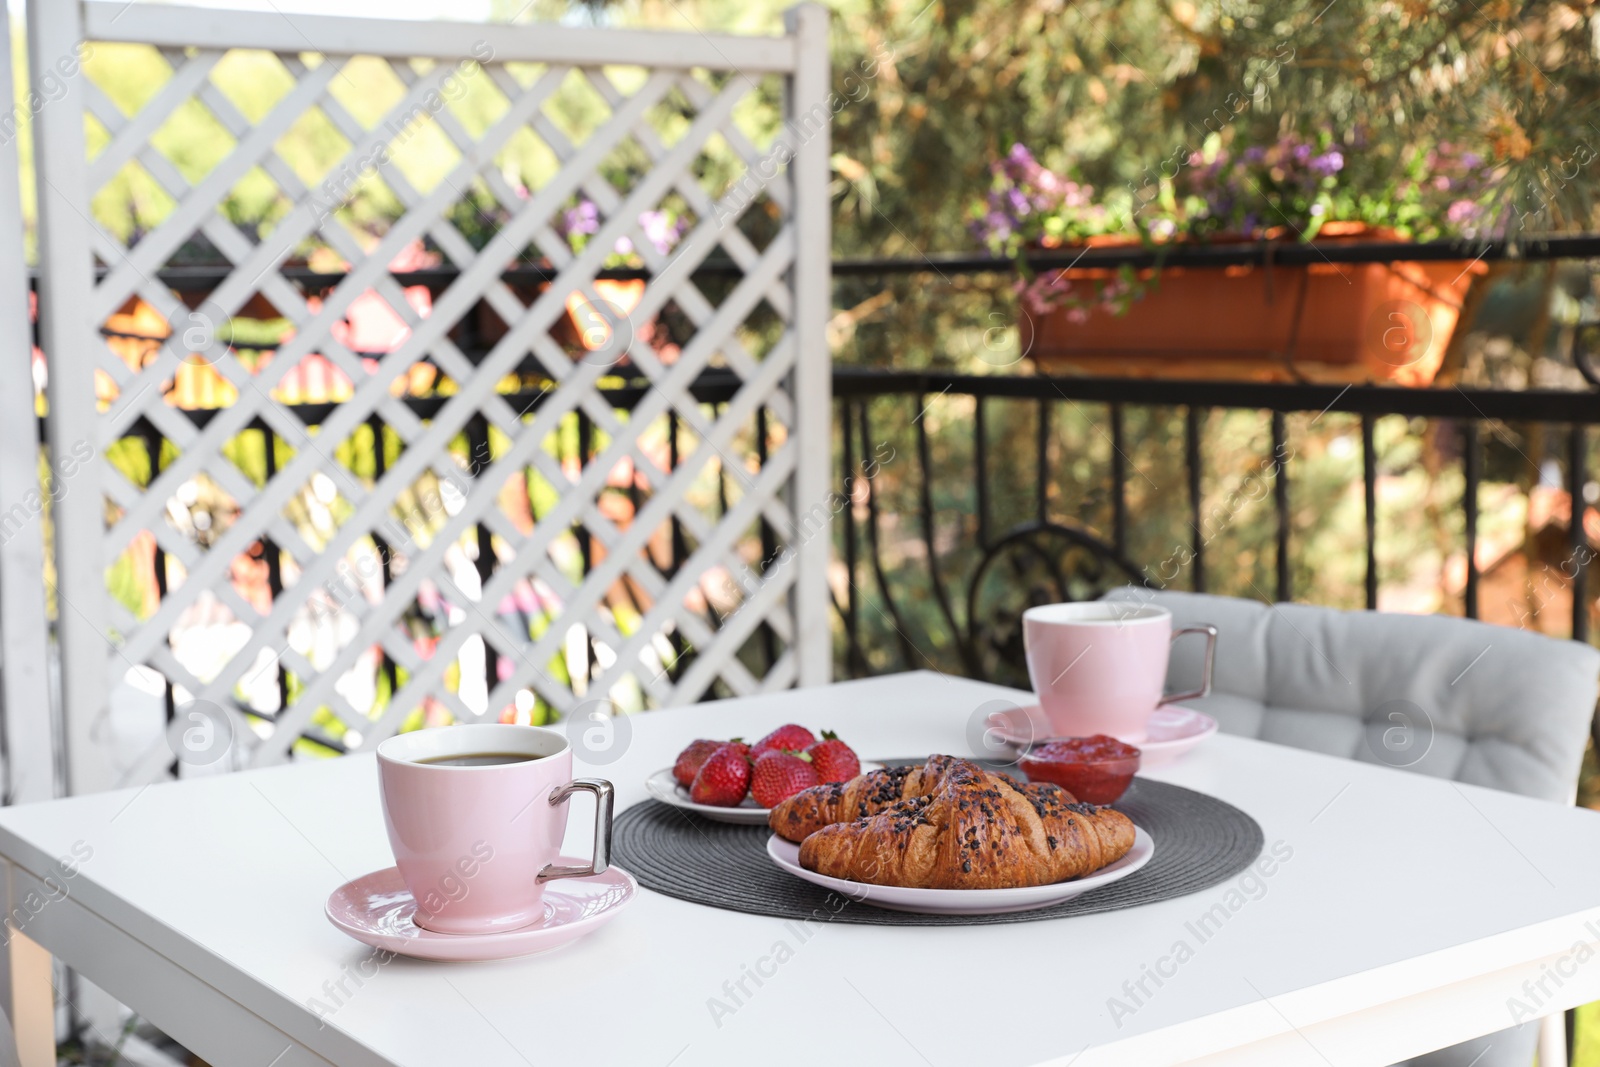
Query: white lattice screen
[[384, 450]]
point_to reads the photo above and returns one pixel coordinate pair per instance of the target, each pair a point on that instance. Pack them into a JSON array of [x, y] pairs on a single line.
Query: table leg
[[30, 1003], [27, 989], [1553, 1039]]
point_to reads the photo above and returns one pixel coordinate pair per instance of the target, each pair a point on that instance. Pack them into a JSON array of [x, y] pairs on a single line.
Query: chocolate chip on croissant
[[972, 830]]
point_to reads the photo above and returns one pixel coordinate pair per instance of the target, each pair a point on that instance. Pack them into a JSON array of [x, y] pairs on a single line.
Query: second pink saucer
[[376, 910], [1171, 731]]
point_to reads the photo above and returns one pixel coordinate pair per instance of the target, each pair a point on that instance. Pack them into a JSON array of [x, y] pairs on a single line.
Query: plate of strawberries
[[735, 782]]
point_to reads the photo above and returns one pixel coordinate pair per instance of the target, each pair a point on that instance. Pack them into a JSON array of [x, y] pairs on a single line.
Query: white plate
[[665, 788], [786, 854], [377, 908], [1172, 731]]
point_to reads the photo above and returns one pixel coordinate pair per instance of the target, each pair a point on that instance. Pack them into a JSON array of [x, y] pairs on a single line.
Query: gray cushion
[[1453, 698]]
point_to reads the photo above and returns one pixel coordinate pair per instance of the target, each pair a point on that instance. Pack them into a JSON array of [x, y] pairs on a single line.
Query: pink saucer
[[376, 910], [1171, 731]]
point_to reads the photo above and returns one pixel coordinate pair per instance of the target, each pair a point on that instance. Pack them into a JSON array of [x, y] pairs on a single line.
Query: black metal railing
[[983, 637], [203, 278]]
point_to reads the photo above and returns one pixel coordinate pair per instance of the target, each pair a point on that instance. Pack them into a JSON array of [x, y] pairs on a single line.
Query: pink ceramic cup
[[1098, 666], [476, 845]]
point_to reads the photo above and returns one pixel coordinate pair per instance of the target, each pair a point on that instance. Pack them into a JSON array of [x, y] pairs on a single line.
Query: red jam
[[1096, 770]]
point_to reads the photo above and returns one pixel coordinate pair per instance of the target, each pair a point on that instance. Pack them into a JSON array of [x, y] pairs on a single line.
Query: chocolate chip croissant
[[866, 794], [972, 830]]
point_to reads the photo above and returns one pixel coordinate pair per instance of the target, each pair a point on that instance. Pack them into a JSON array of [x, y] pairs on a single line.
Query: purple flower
[[1020, 155], [661, 230], [993, 228], [1075, 195], [1330, 162], [1020, 166], [583, 219], [1043, 294], [1463, 211]]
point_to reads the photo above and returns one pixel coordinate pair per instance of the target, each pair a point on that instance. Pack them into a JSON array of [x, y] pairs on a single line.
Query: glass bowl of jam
[[1095, 770]]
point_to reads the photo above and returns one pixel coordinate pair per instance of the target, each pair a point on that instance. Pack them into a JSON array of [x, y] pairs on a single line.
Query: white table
[[1407, 915]]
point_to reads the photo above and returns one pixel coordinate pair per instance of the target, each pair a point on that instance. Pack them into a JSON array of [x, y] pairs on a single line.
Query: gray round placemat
[[1200, 842]]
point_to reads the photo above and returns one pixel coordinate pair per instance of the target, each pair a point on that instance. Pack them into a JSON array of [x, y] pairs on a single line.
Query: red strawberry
[[834, 760], [724, 778], [790, 738], [691, 759], [779, 776]]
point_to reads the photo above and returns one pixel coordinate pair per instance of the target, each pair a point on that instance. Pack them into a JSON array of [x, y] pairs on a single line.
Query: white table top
[[1395, 884]]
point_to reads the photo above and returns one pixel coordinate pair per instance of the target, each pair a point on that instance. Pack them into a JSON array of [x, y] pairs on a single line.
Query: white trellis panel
[[432, 543]]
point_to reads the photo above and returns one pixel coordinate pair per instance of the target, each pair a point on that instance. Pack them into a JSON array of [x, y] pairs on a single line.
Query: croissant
[[866, 794], [976, 830]]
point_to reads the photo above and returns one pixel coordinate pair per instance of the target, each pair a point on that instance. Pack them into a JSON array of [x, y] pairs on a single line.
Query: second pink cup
[[1098, 667]]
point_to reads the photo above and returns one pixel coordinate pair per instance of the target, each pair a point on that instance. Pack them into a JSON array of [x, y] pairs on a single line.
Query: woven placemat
[[1200, 841]]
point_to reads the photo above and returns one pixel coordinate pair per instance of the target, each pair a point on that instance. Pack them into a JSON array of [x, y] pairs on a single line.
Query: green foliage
[[1115, 91], [126, 585]]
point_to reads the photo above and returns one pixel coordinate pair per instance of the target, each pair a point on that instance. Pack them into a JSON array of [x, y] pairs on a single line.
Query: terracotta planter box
[[1344, 323]]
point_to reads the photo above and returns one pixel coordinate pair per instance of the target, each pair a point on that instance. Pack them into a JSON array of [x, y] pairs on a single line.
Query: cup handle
[[602, 828], [1205, 674]]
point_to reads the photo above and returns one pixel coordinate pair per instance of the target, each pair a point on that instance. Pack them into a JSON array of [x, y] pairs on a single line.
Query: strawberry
[[691, 759], [790, 738], [724, 778], [834, 760], [779, 776]]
